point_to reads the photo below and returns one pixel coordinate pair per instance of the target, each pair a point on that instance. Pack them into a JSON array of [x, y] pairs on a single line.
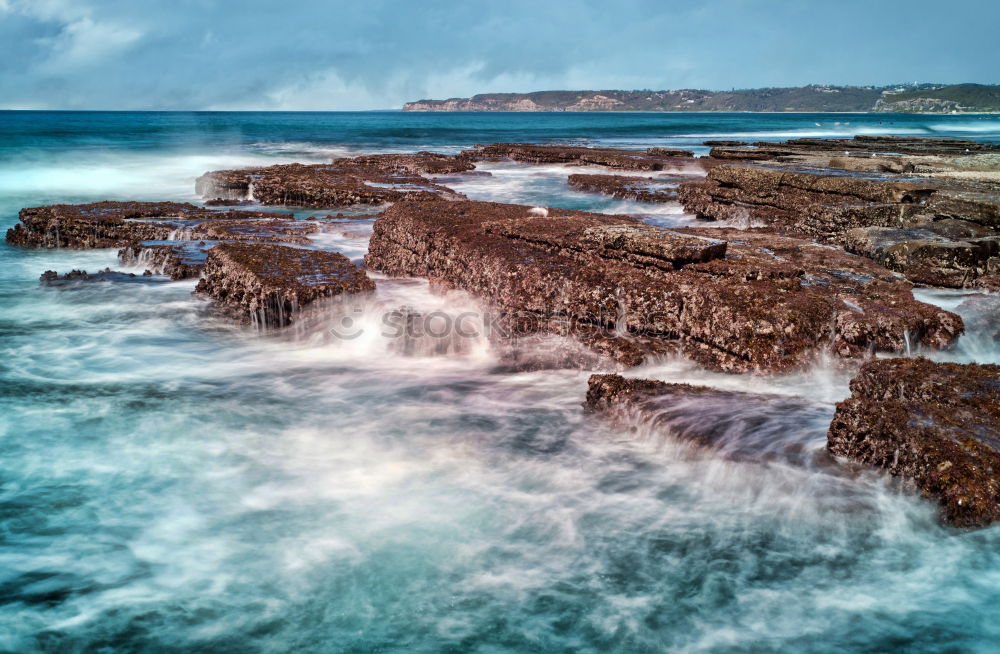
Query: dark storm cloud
[[187, 54]]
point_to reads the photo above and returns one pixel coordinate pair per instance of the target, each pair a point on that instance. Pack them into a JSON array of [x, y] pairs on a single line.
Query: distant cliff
[[919, 98]]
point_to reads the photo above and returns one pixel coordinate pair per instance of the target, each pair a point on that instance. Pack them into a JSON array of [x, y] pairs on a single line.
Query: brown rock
[[924, 256], [669, 152], [932, 234], [989, 282], [630, 291], [73, 277], [268, 284], [271, 230], [933, 423], [370, 179], [880, 154], [113, 224]]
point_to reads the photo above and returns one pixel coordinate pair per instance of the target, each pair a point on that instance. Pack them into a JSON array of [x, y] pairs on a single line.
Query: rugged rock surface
[[729, 300], [669, 152], [115, 224], [627, 187], [655, 159], [369, 179], [736, 425], [926, 257], [934, 233], [815, 205], [937, 424], [881, 154], [269, 230], [268, 284]]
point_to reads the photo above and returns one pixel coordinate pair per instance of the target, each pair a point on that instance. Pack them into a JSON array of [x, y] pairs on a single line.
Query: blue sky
[[377, 54]]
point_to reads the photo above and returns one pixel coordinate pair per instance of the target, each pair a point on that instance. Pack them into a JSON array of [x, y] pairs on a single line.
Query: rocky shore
[[759, 304], [371, 179], [934, 424], [268, 284], [926, 208], [116, 224], [806, 250]]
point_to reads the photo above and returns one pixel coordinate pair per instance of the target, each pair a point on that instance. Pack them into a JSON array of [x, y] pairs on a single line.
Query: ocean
[[173, 482]]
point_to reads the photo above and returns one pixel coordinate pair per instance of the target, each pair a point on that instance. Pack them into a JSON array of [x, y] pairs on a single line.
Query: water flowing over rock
[[737, 425], [653, 159], [627, 187], [176, 261], [368, 179], [935, 424], [268, 284], [115, 224], [729, 300]]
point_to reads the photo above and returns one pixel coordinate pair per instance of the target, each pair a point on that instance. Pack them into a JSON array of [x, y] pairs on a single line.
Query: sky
[[378, 54]]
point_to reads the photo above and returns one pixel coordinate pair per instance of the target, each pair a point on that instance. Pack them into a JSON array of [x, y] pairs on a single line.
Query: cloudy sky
[[377, 54]]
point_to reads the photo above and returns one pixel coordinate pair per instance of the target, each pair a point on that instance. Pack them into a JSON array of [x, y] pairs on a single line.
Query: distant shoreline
[[706, 111], [931, 99]]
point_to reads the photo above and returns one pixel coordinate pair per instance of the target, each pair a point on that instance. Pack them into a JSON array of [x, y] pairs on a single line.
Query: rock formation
[[268, 284], [631, 291], [628, 187], [176, 261], [115, 224], [369, 179], [935, 424], [937, 225], [654, 159]]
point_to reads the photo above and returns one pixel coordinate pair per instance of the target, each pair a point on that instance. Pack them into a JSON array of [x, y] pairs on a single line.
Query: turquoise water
[[170, 482]]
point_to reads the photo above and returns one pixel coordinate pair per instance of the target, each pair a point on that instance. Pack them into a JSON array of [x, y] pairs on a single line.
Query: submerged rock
[[369, 179], [738, 425], [627, 187], [268, 284], [936, 424], [114, 224], [52, 278], [981, 314], [728, 300], [653, 159]]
